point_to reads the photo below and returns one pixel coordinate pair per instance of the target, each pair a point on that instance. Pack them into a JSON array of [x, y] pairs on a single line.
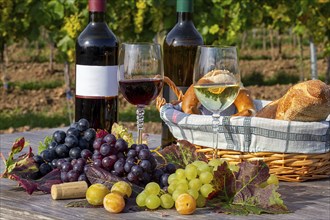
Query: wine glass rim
[[140, 43], [217, 46]]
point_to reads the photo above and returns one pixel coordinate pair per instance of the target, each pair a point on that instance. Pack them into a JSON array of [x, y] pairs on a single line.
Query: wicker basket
[[292, 167]]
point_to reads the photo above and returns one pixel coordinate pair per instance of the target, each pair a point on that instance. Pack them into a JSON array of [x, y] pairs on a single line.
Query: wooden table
[[308, 200]]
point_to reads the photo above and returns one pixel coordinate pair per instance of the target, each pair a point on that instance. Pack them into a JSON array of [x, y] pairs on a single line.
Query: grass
[[281, 77], [33, 120], [35, 85], [151, 115]]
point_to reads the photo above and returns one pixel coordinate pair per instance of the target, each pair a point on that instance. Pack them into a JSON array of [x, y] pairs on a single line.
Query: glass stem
[[215, 126], [140, 121]]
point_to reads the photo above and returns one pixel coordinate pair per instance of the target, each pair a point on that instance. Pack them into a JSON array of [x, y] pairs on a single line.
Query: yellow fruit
[[95, 194], [216, 90], [114, 202], [185, 204], [123, 188]]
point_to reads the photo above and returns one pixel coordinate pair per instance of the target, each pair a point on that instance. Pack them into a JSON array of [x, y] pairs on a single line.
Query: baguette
[[307, 101]]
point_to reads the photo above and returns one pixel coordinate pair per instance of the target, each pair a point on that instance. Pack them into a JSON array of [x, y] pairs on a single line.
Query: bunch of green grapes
[[72, 25], [139, 16], [152, 197]]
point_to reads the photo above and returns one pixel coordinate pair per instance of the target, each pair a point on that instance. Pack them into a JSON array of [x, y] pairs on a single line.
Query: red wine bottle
[[180, 47], [96, 97]]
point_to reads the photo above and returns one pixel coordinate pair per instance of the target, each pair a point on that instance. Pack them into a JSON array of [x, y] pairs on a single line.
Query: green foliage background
[[219, 21]]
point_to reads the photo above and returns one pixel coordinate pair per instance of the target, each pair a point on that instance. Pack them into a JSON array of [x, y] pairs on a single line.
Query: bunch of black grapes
[[135, 163], [68, 151]]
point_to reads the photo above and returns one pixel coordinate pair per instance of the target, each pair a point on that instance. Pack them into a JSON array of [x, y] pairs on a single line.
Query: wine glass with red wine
[[141, 76]]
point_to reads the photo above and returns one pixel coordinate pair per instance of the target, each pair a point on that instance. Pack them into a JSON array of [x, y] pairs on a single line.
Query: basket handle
[[160, 100]]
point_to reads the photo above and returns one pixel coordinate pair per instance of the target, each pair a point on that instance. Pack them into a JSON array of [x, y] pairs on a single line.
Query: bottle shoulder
[[97, 33], [184, 34]]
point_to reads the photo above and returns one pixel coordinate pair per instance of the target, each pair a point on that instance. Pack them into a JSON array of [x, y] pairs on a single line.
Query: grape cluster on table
[[68, 151], [73, 150]]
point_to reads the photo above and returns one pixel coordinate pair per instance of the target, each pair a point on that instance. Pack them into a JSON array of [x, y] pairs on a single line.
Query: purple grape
[[64, 177], [131, 160], [113, 149], [119, 166], [145, 178], [54, 163], [97, 155], [83, 144], [62, 151], [59, 163], [38, 159], [73, 131], [139, 147], [52, 145], [144, 154], [108, 162], [133, 146], [81, 161], [74, 125], [105, 149], [128, 166], [137, 170], [120, 155], [44, 168], [97, 143], [121, 145], [66, 166], [86, 154], [75, 152], [73, 176], [48, 155], [146, 165], [83, 124], [97, 162], [132, 177], [131, 153], [79, 168], [89, 134], [113, 172], [157, 174], [110, 139], [153, 162], [170, 168], [82, 177], [71, 141], [163, 179], [59, 136]]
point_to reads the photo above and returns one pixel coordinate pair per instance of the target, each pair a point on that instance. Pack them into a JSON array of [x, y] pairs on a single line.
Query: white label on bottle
[[96, 81]]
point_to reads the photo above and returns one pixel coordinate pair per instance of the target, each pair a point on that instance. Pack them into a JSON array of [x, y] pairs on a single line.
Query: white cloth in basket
[[249, 134]]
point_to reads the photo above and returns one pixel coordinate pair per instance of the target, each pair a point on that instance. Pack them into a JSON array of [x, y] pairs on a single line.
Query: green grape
[[204, 168], [184, 181], [200, 201], [198, 163], [171, 178], [182, 186], [152, 202], [193, 192], [206, 177], [166, 201], [152, 188], [206, 189], [195, 184], [180, 174], [171, 188], [176, 194], [190, 171], [141, 199], [272, 179]]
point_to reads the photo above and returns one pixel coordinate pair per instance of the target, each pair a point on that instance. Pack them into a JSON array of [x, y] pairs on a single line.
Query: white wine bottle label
[[96, 81]]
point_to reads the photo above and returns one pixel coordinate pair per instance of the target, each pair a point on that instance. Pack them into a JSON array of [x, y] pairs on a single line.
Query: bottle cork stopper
[[72, 190]]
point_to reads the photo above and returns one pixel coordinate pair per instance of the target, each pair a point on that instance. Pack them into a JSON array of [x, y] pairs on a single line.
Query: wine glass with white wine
[[216, 82]]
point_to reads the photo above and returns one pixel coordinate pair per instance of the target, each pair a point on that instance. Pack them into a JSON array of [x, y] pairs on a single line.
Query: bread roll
[[307, 101]]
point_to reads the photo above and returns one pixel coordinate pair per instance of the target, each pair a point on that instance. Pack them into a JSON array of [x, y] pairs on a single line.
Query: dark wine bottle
[[180, 47], [96, 97]]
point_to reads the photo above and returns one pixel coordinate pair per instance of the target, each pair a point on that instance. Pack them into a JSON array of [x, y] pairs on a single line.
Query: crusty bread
[[306, 101]]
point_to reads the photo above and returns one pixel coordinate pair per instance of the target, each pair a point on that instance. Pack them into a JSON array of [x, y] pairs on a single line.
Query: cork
[[72, 190]]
